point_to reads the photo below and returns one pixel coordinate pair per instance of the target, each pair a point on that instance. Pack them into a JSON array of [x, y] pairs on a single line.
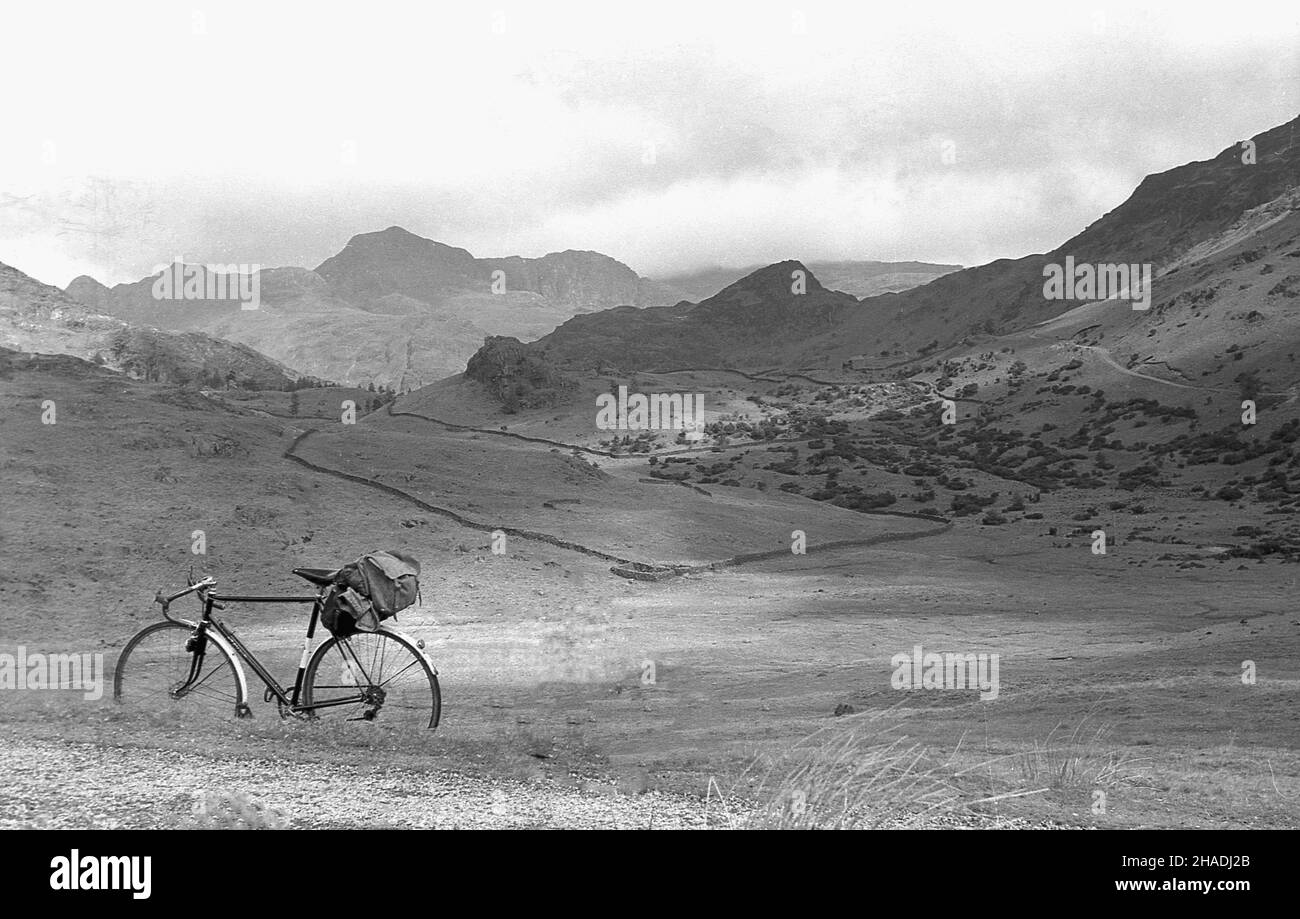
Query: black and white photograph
[[676, 416]]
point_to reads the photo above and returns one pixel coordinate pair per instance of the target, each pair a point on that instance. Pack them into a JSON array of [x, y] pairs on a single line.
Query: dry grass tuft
[[865, 775], [857, 777], [1084, 758]]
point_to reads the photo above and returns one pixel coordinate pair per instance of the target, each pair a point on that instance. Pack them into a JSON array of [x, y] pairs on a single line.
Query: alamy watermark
[[239, 283], [920, 670], [651, 412], [38, 670], [102, 872], [1106, 281]]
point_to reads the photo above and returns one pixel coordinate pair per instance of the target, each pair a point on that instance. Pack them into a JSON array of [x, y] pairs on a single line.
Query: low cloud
[[675, 140]]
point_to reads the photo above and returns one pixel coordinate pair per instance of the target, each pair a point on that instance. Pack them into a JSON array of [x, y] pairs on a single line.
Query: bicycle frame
[[287, 698]]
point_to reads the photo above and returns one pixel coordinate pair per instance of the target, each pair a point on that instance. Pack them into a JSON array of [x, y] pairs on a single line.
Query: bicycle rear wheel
[[372, 676], [160, 667]]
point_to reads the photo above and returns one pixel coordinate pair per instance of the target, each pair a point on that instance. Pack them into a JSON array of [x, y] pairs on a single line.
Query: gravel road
[[80, 786]]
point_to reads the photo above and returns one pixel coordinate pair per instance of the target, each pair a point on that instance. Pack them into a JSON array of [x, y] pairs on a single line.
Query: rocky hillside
[[385, 338], [1168, 216], [396, 309], [1227, 315], [397, 261], [391, 308], [735, 327], [38, 318], [516, 375]]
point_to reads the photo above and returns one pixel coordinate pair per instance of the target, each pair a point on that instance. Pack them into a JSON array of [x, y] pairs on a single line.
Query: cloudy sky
[[669, 135]]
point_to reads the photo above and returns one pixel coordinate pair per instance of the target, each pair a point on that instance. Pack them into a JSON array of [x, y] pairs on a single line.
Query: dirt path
[[1104, 354], [80, 785]]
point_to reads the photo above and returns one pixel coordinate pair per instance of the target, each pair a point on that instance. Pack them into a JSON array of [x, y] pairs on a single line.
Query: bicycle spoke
[[406, 696], [413, 663], [155, 669], [354, 659], [211, 672]]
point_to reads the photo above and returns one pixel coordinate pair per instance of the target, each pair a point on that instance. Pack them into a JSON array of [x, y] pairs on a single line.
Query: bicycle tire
[[420, 688], [156, 662]]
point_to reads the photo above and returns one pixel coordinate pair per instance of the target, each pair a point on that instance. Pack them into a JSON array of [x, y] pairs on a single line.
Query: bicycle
[[380, 675]]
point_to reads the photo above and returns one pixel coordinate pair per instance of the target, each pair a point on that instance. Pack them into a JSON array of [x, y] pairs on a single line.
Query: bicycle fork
[[197, 646]]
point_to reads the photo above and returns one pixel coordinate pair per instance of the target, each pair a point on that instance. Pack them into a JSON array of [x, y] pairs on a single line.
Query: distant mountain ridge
[[1167, 215], [733, 327], [391, 308], [398, 261], [39, 318], [395, 308], [859, 278]]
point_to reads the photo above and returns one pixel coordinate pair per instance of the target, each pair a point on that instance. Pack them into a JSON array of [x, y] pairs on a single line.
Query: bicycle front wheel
[[372, 676], [165, 666]]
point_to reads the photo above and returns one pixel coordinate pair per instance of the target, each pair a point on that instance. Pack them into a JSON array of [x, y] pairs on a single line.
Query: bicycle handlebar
[[200, 586]]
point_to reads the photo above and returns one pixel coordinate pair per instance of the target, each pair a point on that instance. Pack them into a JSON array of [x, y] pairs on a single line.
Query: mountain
[[859, 278], [397, 309], [398, 261], [303, 323], [1226, 315], [39, 318], [1167, 216], [581, 280], [391, 308], [734, 326]]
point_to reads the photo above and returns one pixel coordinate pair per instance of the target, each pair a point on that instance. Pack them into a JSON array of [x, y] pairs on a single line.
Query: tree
[[293, 403]]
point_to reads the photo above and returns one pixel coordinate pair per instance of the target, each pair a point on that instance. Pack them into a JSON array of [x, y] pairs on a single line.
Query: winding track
[[624, 567], [1104, 354]]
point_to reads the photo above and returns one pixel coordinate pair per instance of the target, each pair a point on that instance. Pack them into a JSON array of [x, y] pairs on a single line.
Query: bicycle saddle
[[322, 576]]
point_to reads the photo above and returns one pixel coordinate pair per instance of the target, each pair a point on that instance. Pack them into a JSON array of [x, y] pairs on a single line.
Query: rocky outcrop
[[517, 375]]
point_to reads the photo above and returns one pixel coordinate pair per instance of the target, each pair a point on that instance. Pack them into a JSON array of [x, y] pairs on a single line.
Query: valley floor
[[1109, 684]]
